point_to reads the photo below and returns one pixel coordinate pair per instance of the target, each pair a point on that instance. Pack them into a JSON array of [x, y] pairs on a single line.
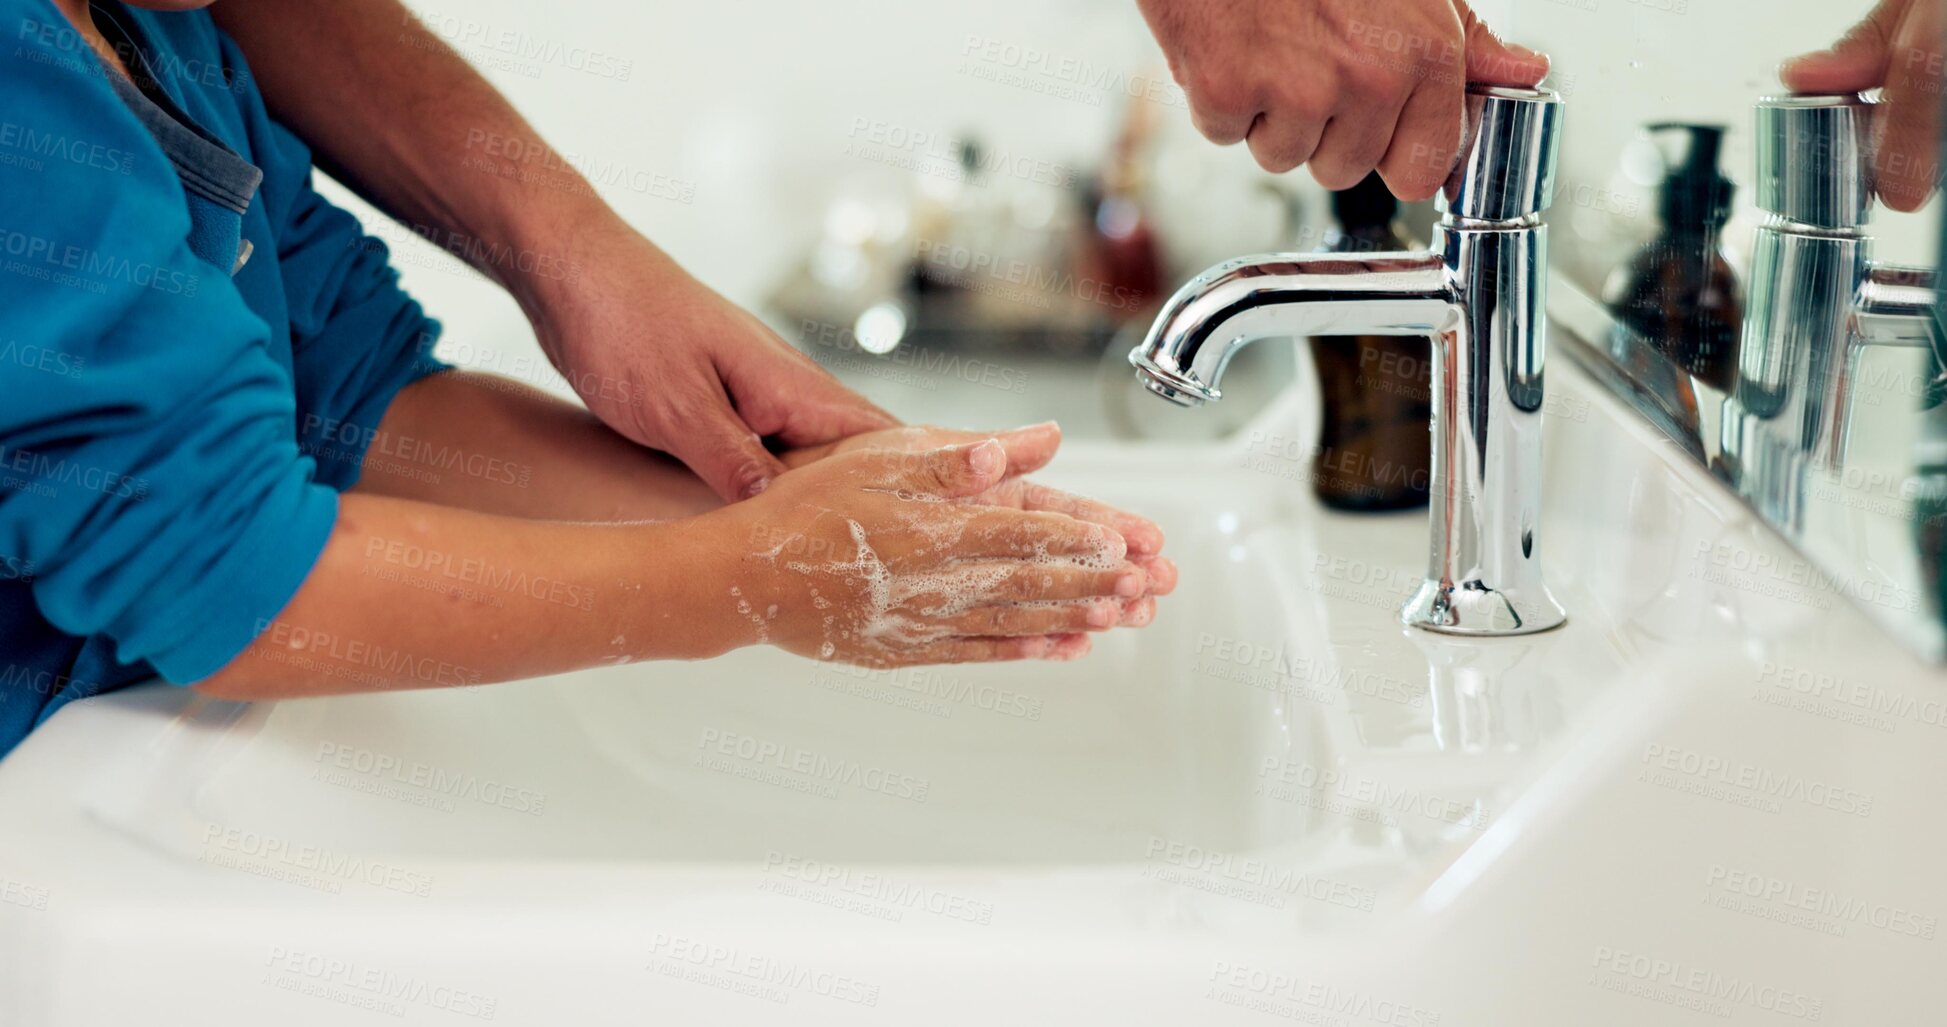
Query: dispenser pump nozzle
[[1696, 196]]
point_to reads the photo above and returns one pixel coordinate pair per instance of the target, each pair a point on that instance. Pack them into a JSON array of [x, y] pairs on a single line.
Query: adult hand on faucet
[[1899, 46], [1346, 86]]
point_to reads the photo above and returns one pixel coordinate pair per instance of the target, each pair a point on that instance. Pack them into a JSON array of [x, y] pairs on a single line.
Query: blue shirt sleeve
[[356, 337], [159, 492]]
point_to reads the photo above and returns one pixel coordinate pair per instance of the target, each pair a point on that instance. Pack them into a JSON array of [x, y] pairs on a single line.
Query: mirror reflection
[[1751, 264]]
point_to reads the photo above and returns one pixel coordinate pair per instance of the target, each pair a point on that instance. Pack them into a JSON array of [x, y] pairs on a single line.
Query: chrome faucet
[[1480, 295], [1818, 299]]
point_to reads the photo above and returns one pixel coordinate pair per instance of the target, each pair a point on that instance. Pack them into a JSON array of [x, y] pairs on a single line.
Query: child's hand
[[871, 557], [1028, 449]]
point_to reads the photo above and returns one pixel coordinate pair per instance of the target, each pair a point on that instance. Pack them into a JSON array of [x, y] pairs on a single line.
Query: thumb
[[1491, 61], [1859, 60], [725, 453], [955, 472], [1031, 448]]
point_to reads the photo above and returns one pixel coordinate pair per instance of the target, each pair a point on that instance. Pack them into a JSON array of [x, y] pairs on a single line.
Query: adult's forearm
[[496, 445], [412, 595], [404, 120]]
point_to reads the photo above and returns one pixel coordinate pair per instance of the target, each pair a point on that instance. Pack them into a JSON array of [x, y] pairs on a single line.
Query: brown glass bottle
[[1679, 295], [1374, 450]]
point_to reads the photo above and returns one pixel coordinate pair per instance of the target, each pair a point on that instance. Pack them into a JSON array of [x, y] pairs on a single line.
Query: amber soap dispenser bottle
[[1679, 295], [1374, 447]]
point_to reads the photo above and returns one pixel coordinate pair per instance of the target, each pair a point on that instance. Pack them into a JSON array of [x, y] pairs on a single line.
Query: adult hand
[[670, 364], [1346, 86], [1899, 47], [865, 557]]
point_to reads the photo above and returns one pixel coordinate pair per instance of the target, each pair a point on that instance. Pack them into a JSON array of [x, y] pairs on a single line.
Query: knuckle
[[1371, 81], [1300, 105], [1410, 178], [1274, 159], [1336, 173], [1220, 92], [1368, 151], [933, 474], [747, 470]]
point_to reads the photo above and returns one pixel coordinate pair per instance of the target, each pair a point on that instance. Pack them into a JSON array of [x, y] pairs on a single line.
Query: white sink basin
[[1275, 803]]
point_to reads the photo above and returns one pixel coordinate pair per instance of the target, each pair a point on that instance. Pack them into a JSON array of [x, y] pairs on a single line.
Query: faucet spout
[[1479, 295], [1241, 301]]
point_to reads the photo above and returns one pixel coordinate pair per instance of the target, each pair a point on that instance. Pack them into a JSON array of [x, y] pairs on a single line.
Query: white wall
[[753, 105], [750, 107]]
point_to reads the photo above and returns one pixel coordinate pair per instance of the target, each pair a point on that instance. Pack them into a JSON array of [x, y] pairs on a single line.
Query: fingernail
[[756, 486], [1104, 614], [987, 458], [1039, 427], [1130, 584]]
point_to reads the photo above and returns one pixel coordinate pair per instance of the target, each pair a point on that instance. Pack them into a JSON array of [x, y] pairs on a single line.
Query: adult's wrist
[[544, 248], [575, 271]]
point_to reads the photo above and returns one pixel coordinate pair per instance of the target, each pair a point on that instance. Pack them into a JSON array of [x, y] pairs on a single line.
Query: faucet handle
[[1507, 170], [1815, 162]]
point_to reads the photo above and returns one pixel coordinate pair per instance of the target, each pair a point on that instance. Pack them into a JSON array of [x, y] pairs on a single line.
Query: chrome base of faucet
[[1472, 608]]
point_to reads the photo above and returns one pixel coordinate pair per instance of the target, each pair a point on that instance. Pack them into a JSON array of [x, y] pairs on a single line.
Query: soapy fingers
[[1037, 618], [948, 472], [1141, 536], [1028, 449], [1030, 535], [1014, 582], [995, 650], [887, 558]]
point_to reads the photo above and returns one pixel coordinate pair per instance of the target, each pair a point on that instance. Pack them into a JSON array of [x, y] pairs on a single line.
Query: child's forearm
[[412, 595], [493, 444]]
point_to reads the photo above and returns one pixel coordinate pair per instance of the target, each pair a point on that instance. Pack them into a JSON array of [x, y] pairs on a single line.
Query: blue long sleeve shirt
[[192, 362]]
